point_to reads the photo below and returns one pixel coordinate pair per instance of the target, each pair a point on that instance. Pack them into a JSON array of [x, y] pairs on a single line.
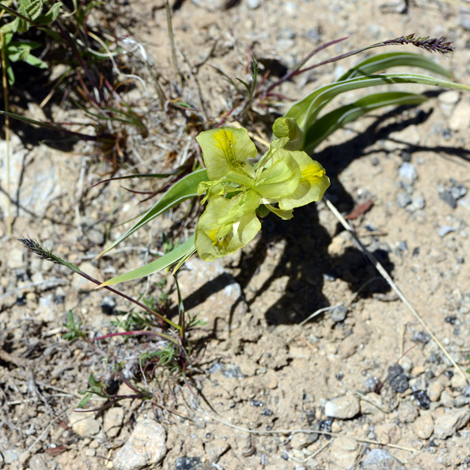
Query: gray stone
[[450, 422], [380, 459], [43, 462], [407, 173], [11, 455], [403, 199], [445, 230], [36, 177], [146, 446], [338, 314], [84, 424], [417, 202], [343, 407], [448, 198]]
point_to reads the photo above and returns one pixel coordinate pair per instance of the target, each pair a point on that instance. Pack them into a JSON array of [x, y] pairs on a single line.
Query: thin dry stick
[[307, 431], [7, 131], [310, 456], [390, 282], [172, 42]]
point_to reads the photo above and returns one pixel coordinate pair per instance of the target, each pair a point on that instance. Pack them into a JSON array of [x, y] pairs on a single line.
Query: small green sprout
[[75, 329], [237, 188]]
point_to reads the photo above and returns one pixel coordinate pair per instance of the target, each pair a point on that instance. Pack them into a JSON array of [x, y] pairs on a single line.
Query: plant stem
[[172, 42], [7, 130]]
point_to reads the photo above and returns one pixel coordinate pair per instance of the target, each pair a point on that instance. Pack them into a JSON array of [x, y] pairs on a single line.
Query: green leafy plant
[[75, 329], [230, 222], [30, 12]]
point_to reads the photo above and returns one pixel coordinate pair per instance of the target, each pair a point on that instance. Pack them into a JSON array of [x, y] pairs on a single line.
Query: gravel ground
[[340, 377]]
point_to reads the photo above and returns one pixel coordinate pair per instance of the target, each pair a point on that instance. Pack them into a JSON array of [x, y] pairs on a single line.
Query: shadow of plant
[[305, 259]]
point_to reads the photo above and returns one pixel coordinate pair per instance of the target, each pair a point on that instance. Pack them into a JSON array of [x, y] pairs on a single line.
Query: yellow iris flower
[[237, 187]]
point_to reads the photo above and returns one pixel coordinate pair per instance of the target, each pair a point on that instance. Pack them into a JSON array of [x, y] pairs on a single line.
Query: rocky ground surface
[[261, 376]]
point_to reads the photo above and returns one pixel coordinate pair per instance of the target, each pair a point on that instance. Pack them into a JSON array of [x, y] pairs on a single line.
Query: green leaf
[[50, 16], [35, 61], [173, 257], [183, 189], [306, 111], [329, 123], [31, 8], [380, 62]]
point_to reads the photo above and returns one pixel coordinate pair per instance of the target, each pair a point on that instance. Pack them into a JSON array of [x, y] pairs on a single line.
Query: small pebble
[[343, 407], [108, 305], [448, 198], [380, 459], [407, 173], [421, 337], [445, 230], [253, 4], [424, 426], [407, 412], [397, 379], [338, 314], [403, 199], [422, 398]]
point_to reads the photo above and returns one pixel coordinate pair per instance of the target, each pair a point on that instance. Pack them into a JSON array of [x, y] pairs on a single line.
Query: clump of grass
[[166, 355]]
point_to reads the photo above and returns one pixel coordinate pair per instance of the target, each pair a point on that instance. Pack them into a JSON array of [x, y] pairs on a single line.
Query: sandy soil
[[260, 373]]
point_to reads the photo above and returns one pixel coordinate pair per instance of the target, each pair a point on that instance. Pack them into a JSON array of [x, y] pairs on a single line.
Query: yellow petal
[[312, 185], [226, 149]]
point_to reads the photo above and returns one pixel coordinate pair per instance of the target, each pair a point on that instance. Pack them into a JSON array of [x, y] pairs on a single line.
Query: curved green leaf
[[183, 189], [380, 62], [180, 252], [327, 124], [306, 111]]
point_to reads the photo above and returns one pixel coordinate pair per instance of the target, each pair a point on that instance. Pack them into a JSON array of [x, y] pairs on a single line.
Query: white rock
[[146, 446], [113, 421], [447, 101], [449, 97], [424, 426], [211, 5], [344, 407], [84, 424], [407, 172], [450, 422], [460, 119], [253, 4]]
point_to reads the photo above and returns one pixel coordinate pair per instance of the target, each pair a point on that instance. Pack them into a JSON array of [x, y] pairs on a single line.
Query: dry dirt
[[260, 371]]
